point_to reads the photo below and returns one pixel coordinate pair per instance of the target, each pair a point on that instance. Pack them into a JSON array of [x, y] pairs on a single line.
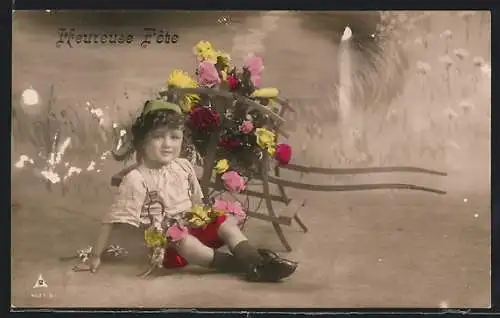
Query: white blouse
[[176, 185]]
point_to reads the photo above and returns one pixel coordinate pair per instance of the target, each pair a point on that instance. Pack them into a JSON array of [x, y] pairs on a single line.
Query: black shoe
[[273, 268]]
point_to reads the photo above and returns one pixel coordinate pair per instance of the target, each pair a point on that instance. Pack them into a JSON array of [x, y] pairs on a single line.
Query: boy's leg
[[260, 265], [196, 253]]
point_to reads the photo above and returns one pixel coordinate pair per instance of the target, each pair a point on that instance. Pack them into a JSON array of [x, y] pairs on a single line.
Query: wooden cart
[[270, 175]]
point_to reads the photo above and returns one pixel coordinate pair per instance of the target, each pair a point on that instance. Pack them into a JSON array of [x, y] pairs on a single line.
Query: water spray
[[345, 87]]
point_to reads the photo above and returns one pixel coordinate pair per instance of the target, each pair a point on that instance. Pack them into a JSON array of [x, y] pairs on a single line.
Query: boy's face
[[163, 145]]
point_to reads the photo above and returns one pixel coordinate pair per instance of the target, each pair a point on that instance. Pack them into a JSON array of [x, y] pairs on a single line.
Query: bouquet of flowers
[[244, 134]]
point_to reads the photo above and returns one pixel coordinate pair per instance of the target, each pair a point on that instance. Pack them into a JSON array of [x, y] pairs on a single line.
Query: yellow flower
[[199, 215], [154, 238], [181, 79], [268, 92], [271, 150], [205, 52], [221, 166], [265, 138], [201, 47], [216, 213]]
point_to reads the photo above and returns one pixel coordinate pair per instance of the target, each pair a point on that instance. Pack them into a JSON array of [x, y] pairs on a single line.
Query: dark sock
[[246, 254], [225, 262]]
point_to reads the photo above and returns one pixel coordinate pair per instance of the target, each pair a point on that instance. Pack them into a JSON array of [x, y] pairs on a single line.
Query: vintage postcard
[[251, 159]]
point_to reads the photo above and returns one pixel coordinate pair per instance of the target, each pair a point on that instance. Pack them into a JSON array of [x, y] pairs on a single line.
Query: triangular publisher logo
[[40, 282]]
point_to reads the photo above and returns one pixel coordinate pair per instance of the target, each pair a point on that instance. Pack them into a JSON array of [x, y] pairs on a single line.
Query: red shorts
[[207, 235]]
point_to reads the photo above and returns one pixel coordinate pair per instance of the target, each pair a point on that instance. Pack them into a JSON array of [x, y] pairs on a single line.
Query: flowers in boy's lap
[[177, 232], [233, 208], [201, 215], [154, 237]]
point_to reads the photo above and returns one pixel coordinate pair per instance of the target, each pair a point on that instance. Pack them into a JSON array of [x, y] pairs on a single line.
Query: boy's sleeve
[[128, 203]]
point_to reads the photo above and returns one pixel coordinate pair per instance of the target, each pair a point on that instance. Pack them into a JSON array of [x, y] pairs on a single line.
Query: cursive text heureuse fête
[[71, 38]]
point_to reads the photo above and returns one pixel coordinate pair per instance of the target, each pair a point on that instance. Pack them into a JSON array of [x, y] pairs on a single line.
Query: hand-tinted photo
[[251, 159]]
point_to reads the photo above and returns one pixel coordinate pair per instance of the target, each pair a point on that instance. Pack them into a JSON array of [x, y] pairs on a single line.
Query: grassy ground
[[377, 248]]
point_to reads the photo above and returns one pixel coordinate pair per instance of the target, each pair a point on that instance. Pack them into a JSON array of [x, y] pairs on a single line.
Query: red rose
[[233, 82], [283, 154], [205, 119], [229, 143]]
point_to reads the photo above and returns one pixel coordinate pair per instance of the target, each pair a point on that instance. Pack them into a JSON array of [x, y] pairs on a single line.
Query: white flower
[[447, 34], [72, 171], [116, 250], [51, 176], [62, 149], [446, 60], [91, 166], [23, 159], [105, 155], [84, 253], [461, 53], [97, 112]]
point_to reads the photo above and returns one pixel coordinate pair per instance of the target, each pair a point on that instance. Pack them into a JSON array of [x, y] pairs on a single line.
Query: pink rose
[[176, 232], [255, 66], [233, 182], [246, 127], [236, 209], [220, 205], [207, 74]]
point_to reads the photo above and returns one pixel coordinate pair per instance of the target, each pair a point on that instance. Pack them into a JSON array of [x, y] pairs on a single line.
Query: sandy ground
[[364, 249]]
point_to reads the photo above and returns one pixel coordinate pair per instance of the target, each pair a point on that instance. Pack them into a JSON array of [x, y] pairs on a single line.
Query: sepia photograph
[[250, 159]]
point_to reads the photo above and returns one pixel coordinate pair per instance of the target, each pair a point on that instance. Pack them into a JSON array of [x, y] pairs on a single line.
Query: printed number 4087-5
[[42, 295]]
